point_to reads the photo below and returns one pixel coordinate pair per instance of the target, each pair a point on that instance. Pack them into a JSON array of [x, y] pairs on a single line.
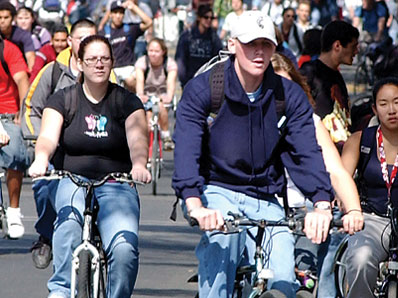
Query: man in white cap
[[229, 166]]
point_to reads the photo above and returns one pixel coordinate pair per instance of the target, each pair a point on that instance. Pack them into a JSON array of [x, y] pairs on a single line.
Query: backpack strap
[[107, 30], [216, 81], [297, 38], [146, 67], [55, 75], [368, 139], [3, 61], [126, 29], [70, 104]]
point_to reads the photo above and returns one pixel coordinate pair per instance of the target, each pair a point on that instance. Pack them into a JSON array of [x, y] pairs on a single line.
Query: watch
[[323, 205]]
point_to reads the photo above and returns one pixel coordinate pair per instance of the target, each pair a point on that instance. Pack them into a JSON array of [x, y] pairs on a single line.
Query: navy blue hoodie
[[234, 151]]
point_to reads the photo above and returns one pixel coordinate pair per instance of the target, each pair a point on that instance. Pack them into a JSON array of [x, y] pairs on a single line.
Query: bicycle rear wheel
[[340, 270], [155, 163], [84, 289]]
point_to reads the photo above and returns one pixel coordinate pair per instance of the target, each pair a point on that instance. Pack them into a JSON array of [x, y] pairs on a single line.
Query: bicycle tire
[[304, 294], [362, 79], [272, 294], [3, 221], [155, 162], [84, 276], [102, 279], [340, 271], [392, 289]]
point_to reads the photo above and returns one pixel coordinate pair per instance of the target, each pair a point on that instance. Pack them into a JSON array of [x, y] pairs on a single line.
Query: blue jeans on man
[[220, 255], [117, 222]]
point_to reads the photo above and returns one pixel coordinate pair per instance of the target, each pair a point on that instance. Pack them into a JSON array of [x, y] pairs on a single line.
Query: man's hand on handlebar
[[316, 225], [208, 219]]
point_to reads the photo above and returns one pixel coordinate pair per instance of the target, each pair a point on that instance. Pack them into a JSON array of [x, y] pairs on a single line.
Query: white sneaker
[[14, 223]]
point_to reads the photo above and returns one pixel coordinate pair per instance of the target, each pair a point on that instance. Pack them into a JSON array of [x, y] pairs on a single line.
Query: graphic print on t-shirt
[[96, 126]]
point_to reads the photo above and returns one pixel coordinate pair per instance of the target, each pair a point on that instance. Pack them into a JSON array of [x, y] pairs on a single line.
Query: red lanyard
[[383, 164]]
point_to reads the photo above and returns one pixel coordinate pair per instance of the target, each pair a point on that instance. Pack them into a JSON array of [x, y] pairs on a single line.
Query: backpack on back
[[126, 29]]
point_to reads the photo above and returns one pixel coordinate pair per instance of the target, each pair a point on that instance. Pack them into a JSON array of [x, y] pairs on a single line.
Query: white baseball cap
[[253, 24]]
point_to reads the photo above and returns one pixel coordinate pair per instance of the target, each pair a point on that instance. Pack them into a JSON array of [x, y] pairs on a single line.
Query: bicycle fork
[[94, 256]]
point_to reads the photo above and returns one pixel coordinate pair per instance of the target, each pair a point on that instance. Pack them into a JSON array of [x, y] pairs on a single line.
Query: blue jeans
[[324, 253], [117, 222], [44, 192], [219, 255], [14, 156]]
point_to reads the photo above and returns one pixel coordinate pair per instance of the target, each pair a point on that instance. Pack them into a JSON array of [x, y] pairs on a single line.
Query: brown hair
[[281, 62]]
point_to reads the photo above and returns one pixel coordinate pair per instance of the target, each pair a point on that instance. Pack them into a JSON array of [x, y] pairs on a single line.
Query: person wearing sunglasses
[[197, 45]]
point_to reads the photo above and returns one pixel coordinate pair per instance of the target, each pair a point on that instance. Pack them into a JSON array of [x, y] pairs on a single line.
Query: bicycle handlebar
[[234, 225], [116, 176]]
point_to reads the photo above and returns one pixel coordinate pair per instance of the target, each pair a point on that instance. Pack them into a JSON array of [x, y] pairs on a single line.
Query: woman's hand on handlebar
[[144, 98], [353, 221], [38, 168], [165, 98], [141, 173]]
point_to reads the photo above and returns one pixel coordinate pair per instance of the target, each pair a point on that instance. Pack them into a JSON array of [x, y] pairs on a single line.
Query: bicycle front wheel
[[84, 276], [155, 163]]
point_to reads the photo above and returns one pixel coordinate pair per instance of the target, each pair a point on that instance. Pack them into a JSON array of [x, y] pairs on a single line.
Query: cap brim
[[247, 39]]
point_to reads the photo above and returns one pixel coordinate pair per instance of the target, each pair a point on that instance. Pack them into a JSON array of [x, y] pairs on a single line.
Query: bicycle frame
[[86, 246]]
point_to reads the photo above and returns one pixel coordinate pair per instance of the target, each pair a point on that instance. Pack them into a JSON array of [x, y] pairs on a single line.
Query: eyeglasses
[[208, 17], [92, 61]]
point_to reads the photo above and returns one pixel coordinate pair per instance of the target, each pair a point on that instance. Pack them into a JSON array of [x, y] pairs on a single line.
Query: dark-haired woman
[[378, 188], [97, 140]]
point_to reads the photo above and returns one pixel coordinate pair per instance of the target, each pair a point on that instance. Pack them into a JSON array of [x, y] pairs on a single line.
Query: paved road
[[166, 249]]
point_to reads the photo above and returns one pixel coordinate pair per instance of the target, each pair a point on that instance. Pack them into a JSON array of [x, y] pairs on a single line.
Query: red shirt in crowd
[[9, 96]]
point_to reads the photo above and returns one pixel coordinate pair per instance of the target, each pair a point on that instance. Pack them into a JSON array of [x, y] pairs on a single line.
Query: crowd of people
[[110, 56]]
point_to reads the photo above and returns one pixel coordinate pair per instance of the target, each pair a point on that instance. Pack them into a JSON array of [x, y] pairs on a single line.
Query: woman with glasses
[[106, 133]]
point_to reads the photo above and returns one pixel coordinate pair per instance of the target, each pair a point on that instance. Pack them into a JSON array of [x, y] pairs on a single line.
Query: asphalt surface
[[167, 257]]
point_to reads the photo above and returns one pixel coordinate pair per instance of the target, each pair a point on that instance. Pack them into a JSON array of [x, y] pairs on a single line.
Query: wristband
[[352, 210]]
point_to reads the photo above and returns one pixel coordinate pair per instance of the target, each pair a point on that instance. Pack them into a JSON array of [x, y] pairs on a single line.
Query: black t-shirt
[[95, 141], [331, 99], [123, 42]]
